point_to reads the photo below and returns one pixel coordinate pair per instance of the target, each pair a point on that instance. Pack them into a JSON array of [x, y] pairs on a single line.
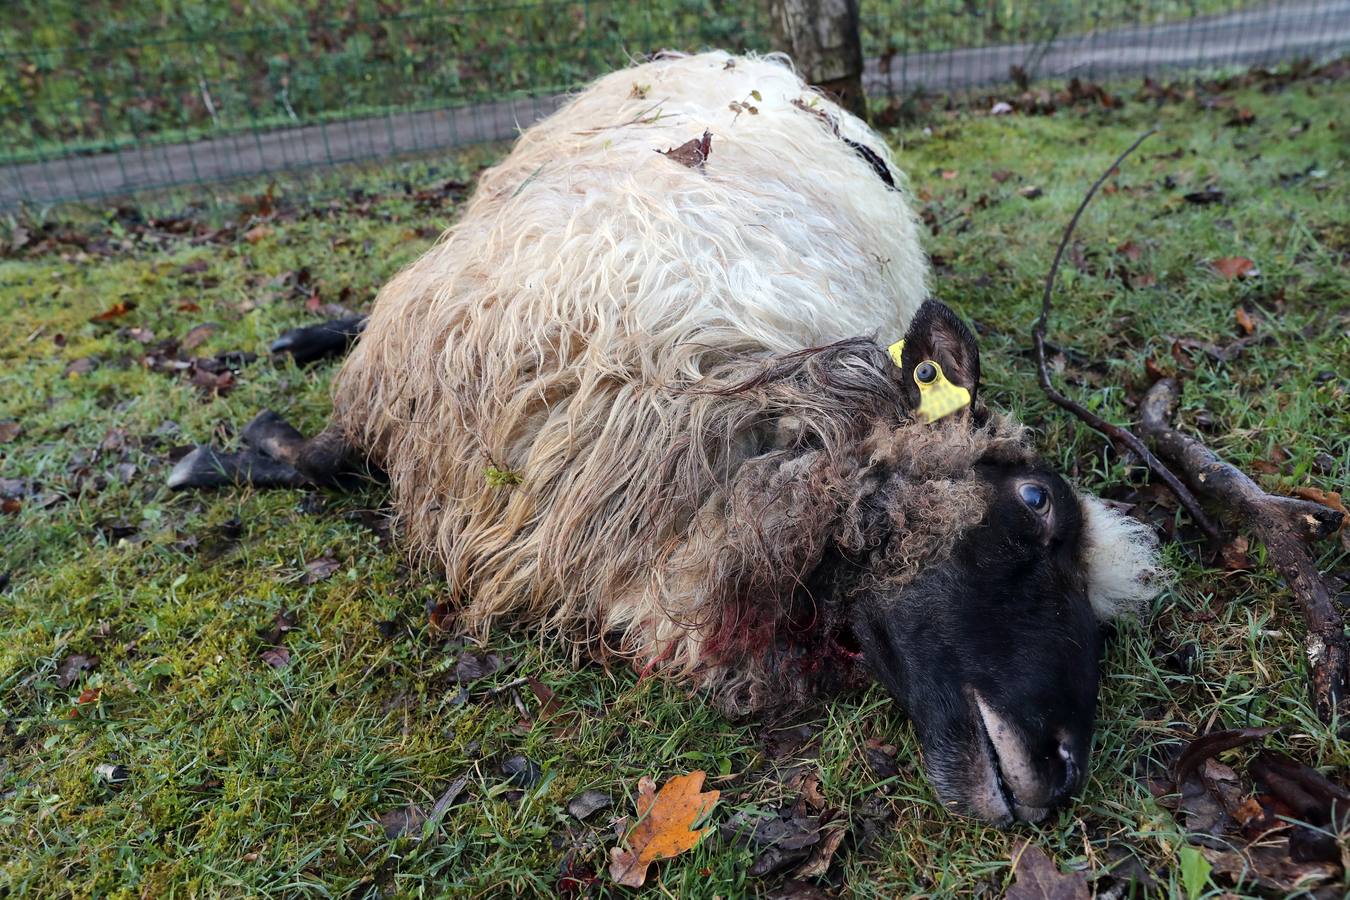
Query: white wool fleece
[[1121, 558]]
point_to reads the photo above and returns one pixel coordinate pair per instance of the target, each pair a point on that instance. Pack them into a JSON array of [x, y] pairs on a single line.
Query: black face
[[993, 653]]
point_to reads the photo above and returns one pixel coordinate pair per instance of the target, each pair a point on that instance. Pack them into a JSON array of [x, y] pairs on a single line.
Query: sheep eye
[[925, 373], [1034, 496]]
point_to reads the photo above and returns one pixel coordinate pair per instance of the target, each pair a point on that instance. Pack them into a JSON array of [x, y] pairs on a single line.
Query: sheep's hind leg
[[316, 342], [276, 455]]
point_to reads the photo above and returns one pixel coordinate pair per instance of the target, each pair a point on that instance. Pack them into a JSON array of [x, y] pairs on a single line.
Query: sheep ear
[[937, 335]]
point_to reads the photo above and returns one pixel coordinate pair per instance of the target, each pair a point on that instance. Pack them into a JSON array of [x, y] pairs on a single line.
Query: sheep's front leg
[[276, 455]]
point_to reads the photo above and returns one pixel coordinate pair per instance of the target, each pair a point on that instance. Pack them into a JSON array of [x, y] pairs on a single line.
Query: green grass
[[248, 780], [89, 74]]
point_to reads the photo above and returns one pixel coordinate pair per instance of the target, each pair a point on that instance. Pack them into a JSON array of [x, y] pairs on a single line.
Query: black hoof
[[316, 342], [207, 467]]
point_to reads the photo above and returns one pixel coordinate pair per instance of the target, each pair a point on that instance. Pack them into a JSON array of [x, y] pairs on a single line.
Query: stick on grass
[[1118, 435], [1284, 524]]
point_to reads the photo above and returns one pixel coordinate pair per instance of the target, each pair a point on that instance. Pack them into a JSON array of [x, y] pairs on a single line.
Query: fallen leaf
[[692, 153], [82, 366], [949, 174], [807, 783], [1039, 879], [472, 666], [9, 431], [258, 233], [665, 826], [116, 311], [440, 616], [1234, 554], [1031, 192], [821, 855], [881, 758], [1231, 267], [796, 889], [198, 335], [548, 703], [318, 569], [72, 667], [1271, 868], [1130, 250], [87, 696], [583, 805], [276, 657], [1000, 175], [1331, 499], [398, 822], [783, 837], [1244, 320]]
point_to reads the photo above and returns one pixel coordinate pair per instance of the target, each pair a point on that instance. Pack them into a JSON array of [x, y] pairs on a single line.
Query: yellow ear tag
[[938, 397]]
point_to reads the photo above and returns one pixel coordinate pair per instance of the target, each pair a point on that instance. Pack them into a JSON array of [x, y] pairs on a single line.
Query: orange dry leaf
[[1326, 498], [1231, 267], [116, 311], [664, 828], [1244, 321]]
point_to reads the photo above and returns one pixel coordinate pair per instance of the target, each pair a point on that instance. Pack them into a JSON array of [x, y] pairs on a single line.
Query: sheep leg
[[315, 342], [276, 455]]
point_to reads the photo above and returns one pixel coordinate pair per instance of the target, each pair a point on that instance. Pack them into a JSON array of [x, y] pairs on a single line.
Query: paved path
[[1265, 34]]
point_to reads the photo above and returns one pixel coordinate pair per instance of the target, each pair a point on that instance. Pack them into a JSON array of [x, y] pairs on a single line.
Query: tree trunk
[[822, 38]]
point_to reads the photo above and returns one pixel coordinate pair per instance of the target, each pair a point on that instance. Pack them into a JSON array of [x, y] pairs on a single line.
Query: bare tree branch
[[1283, 524], [1118, 435]]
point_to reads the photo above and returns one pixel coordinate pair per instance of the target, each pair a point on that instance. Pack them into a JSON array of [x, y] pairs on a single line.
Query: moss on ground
[[245, 778]]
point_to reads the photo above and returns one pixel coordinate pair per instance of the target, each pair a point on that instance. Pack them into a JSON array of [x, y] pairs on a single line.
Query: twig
[[1284, 524], [1118, 435]]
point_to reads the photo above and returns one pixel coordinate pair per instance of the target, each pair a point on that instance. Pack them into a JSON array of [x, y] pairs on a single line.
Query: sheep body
[[588, 329]]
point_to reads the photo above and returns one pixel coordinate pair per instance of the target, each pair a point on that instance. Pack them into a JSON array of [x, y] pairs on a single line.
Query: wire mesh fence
[[106, 97]]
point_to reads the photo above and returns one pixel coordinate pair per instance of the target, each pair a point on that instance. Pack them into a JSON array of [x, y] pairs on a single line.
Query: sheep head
[[986, 630]]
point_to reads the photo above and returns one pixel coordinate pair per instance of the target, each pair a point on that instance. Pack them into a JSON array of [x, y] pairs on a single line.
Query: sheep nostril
[[1072, 775]]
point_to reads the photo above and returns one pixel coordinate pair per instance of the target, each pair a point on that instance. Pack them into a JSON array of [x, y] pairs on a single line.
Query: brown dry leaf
[[1231, 267], [823, 853], [1234, 554], [1000, 175], [807, 783], [1271, 868], [548, 703], [317, 570], [1130, 250], [949, 174], [198, 335], [1039, 879], [1244, 320], [276, 657], [1331, 499], [664, 828], [257, 233], [116, 311], [9, 431], [692, 153]]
